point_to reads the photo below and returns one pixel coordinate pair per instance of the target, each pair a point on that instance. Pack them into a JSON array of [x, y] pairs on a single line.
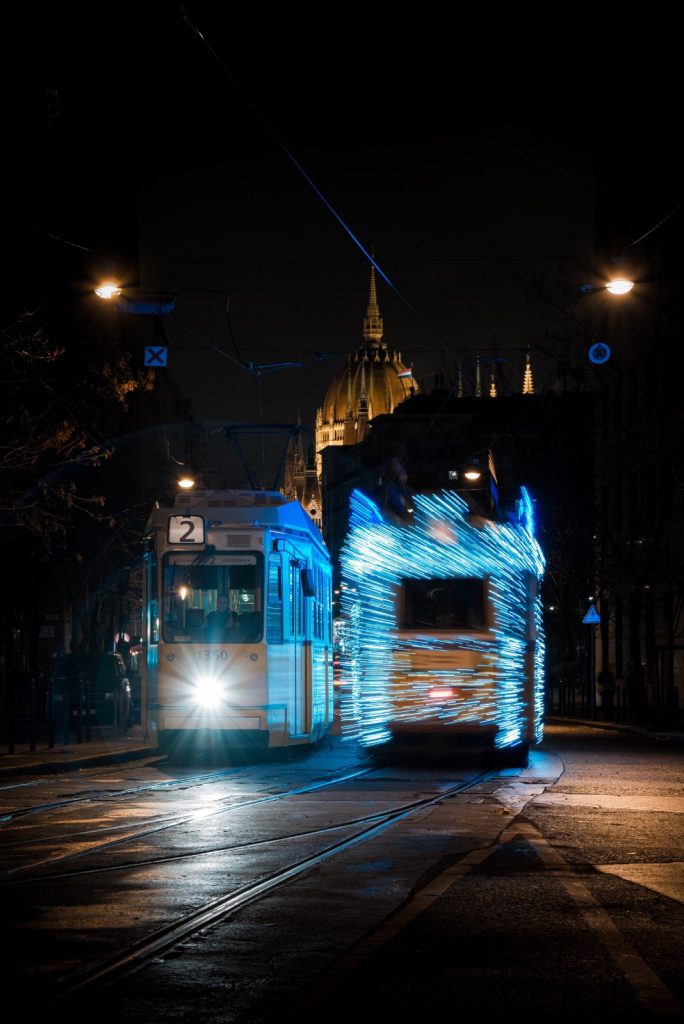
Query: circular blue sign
[[599, 353]]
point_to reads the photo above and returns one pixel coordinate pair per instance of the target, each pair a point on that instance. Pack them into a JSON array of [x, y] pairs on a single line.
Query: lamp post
[[162, 304], [156, 305], [140, 303], [615, 286], [599, 351]]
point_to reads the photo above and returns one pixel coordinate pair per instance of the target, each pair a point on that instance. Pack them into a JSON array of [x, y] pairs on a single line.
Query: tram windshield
[[215, 598], [443, 604]]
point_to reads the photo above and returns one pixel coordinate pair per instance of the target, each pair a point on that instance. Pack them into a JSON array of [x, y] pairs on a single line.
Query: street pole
[[592, 619], [592, 683]]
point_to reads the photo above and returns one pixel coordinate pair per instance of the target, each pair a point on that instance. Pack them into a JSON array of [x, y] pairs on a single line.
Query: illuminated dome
[[373, 382]]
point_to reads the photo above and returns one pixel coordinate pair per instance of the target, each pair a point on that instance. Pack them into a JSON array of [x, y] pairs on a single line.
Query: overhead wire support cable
[[294, 160]]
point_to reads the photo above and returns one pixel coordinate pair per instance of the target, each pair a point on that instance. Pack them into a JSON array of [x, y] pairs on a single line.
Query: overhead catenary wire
[[368, 255]]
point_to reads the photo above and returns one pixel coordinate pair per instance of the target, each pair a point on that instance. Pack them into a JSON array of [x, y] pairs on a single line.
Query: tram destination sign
[[186, 530]]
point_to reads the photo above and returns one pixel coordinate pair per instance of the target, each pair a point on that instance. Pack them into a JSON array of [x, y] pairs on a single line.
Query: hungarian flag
[[405, 373]]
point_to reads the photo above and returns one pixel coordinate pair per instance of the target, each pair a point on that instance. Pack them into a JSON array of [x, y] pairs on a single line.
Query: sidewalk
[[107, 746], [675, 735]]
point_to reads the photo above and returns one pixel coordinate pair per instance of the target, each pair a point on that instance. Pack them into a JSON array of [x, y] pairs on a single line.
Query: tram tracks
[[91, 796], [134, 955], [157, 825]]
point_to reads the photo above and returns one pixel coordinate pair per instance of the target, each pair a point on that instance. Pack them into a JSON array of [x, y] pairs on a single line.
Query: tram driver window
[[456, 603]]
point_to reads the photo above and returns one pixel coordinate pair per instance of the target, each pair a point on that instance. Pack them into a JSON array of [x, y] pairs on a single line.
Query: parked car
[[97, 686]]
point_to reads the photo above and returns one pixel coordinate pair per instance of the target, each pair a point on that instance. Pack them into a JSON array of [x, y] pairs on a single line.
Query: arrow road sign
[[155, 355]]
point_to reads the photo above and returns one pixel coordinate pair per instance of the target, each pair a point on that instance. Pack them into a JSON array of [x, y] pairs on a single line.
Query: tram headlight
[[208, 691]]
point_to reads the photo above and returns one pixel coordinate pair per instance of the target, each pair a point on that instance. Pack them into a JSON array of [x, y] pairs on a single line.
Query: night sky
[[257, 156]]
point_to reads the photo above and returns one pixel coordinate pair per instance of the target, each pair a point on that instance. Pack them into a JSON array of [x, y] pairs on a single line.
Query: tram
[[238, 625], [442, 638]]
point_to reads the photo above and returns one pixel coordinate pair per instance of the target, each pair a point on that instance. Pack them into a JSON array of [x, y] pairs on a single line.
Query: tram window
[[318, 617], [153, 583], [274, 619], [192, 586], [293, 593], [452, 603], [308, 583], [154, 622]]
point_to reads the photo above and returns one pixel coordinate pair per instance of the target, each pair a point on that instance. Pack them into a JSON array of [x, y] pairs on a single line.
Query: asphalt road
[[550, 892]]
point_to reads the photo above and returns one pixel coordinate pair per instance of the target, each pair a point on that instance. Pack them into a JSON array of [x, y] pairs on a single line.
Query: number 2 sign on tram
[[186, 530]]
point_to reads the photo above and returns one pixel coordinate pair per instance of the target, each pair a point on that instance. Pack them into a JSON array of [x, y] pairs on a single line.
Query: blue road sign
[[599, 353], [592, 618], [155, 355]]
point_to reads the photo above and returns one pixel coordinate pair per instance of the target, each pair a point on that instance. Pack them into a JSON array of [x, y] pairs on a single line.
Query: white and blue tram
[[443, 641], [261, 676]]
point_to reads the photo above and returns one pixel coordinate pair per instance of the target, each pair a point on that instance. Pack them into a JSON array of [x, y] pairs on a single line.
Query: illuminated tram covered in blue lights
[[238, 632], [442, 632]]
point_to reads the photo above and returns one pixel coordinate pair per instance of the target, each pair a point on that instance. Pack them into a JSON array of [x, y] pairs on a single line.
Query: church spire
[[349, 428], [362, 428], [349, 390], [459, 378], [363, 395], [372, 322], [528, 379]]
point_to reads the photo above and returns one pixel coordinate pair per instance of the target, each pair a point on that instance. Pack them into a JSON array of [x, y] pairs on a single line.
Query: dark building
[[639, 411]]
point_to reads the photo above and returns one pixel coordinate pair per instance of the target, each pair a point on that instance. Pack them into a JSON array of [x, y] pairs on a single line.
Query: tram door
[[149, 690], [299, 673]]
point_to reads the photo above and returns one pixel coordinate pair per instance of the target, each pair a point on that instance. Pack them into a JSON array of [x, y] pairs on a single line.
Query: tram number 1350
[[209, 655]]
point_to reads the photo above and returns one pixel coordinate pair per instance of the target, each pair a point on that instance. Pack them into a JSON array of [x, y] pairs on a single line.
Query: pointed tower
[[348, 433], [362, 428], [373, 382], [492, 385], [372, 322], [528, 379], [478, 377], [311, 491], [300, 482]]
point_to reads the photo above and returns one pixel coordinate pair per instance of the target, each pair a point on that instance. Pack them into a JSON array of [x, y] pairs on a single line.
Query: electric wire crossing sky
[[486, 678]]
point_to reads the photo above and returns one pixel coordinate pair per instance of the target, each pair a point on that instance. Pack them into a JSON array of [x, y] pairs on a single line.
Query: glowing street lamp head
[[620, 286], [108, 290], [473, 474], [186, 483]]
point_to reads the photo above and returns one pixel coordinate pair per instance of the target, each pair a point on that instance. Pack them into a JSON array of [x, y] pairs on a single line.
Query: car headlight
[[209, 691]]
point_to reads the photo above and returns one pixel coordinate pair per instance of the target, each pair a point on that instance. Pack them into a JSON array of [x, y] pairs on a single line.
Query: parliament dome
[[373, 382]]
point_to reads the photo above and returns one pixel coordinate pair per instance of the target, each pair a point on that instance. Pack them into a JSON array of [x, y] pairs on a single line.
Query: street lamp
[[131, 300], [616, 286], [619, 286], [138, 302], [108, 290]]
